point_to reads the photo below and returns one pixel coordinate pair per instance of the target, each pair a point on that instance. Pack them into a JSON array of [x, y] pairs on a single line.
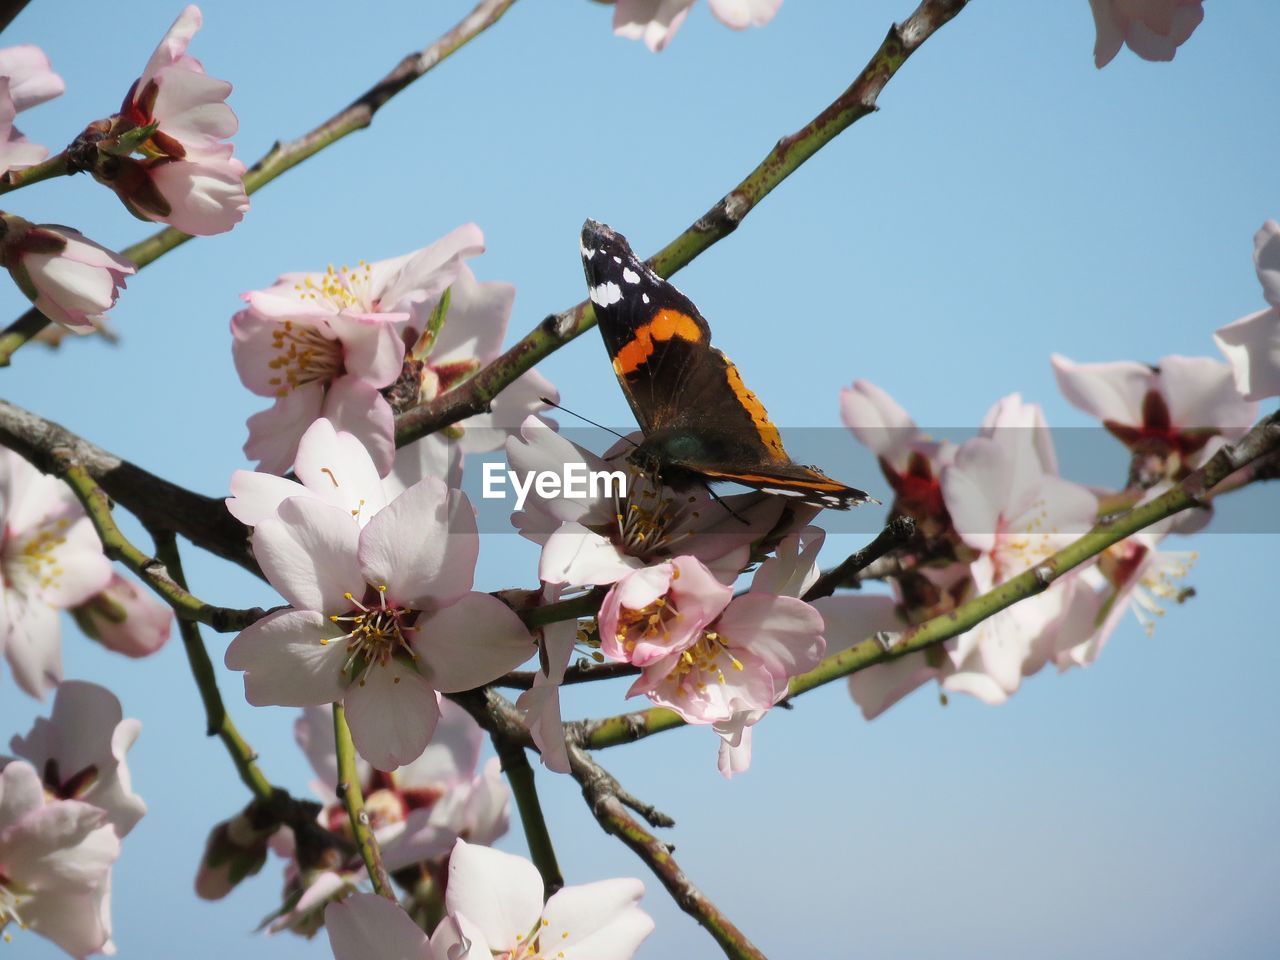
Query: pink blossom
[[540, 704], [909, 460], [69, 278], [365, 926], [1008, 506], [1252, 344], [26, 80], [470, 337], [327, 344], [598, 539], [495, 908], [1153, 29], [380, 616], [187, 176], [50, 560], [655, 611], [125, 618], [56, 857], [81, 749], [419, 810], [1175, 411], [656, 21]]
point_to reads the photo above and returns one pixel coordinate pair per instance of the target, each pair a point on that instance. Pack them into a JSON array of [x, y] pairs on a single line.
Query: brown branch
[[284, 156], [785, 158], [157, 503], [898, 532]]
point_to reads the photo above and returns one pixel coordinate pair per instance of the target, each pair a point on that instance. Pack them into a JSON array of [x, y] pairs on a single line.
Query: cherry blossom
[[1153, 29], [26, 80], [1174, 414], [1252, 344], [710, 659], [365, 926], [472, 324], [326, 345], [69, 278], [540, 704], [125, 618], [599, 539], [380, 616], [656, 21], [495, 908], [81, 747], [419, 810], [176, 117], [50, 560], [55, 865]]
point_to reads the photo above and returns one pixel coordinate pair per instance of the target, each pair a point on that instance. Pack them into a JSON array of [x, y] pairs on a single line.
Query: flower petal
[[471, 642]]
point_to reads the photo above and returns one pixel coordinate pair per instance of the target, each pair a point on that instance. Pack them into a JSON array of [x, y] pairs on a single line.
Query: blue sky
[[1008, 201]]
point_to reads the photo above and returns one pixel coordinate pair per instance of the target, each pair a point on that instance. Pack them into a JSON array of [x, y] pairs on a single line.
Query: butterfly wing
[[653, 332]]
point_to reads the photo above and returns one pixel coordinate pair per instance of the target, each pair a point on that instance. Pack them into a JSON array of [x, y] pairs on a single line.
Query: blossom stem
[[218, 722], [352, 798], [1195, 490], [599, 790], [284, 156], [154, 573], [475, 395], [55, 166], [515, 764]]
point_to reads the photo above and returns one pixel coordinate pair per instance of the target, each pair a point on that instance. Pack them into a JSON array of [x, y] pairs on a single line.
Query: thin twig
[[217, 722], [581, 671], [898, 532], [475, 395], [284, 156], [154, 573], [1195, 490], [599, 789], [515, 764], [352, 798]]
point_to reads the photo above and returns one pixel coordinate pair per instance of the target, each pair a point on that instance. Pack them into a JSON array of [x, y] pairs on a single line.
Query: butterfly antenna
[[551, 403], [720, 500]]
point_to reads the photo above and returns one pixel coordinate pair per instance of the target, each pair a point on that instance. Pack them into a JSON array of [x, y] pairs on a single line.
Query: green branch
[[515, 764], [217, 721], [284, 156], [55, 166], [352, 798], [1262, 441], [475, 395], [154, 573]]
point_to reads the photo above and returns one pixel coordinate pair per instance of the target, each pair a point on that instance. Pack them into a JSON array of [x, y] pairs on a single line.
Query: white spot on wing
[[645, 297], [587, 252], [630, 275], [606, 294], [784, 492], [617, 259]]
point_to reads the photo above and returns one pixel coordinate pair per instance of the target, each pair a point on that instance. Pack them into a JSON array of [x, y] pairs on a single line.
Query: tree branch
[[898, 532], [284, 156], [475, 395], [1262, 441], [515, 764], [352, 798]]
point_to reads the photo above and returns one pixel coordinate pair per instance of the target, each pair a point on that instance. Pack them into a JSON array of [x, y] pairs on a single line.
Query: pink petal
[[740, 14], [392, 712], [453, 754], [30, 75], [373, 348], [498, 892], [654, 21], [422, 546], [190, 108], [205, 197], [21, 792], [290, 659], [366, 926], [32, 644], [1201, 392], [274, 433], [308, 553], [976, 488], [359, 409], [477, 319], [578, 556], [1252, 348], [597, 921], [256, 496], [878, 422], [425, 274], [173, 45], [1266, 257], [335, 466], [471, 642], [1108, 391], [783, 632]]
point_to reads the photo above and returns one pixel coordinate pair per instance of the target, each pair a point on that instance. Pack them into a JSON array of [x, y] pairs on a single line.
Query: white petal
[[392, 712], [423, 546], [500, 893], [471, 642], [308, 553]]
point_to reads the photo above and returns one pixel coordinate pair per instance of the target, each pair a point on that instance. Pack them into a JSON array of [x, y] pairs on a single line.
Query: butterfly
[[700, 422]]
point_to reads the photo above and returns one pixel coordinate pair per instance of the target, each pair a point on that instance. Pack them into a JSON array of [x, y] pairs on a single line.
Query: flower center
[[12, 896], [650, 521], [703, 662], [302, 355], [341, 289], [647, 623], [1023, 543], [35, 564], [377, 631]]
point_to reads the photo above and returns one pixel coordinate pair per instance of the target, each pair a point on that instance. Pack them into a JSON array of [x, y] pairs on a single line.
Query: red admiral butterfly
[[700, 422]]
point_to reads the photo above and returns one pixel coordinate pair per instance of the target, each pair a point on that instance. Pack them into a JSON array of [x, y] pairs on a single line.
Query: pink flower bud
[[124, 619]]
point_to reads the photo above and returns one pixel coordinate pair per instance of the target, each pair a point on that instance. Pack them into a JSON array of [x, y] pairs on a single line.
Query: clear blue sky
[[1009, 200]]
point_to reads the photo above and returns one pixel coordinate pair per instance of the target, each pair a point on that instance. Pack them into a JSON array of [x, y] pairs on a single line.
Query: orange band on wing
[[768, 432], [666, 325], [818, 483]]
